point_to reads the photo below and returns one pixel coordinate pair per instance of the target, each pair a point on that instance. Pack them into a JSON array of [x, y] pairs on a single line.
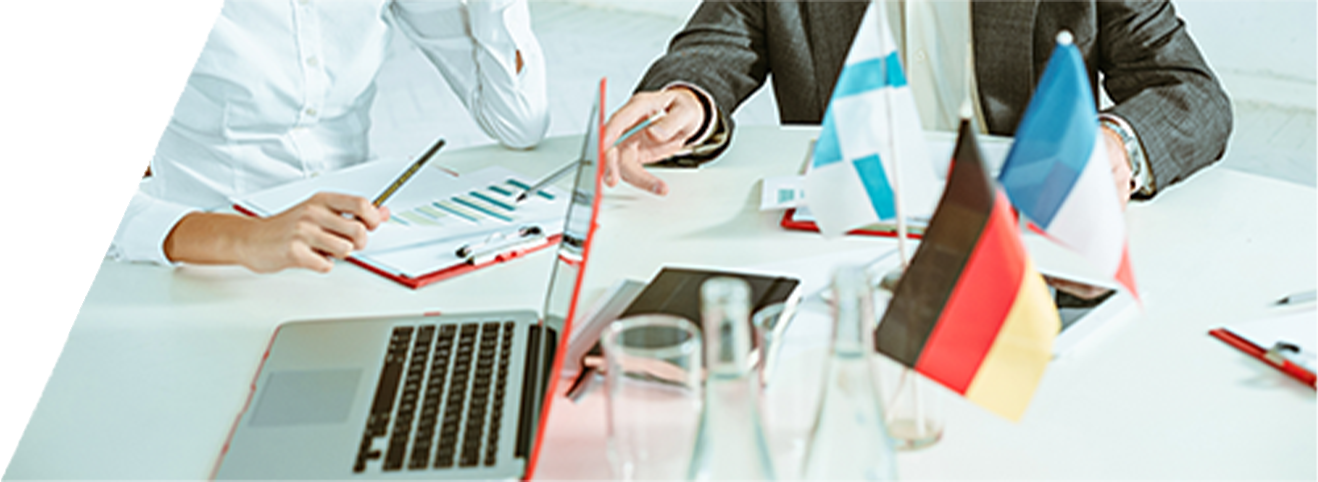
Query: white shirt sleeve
[[146, 224], [253, 118], [474, 44]]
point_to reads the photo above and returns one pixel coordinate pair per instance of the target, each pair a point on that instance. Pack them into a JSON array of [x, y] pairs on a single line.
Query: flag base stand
[[911, 404], [912, 409]]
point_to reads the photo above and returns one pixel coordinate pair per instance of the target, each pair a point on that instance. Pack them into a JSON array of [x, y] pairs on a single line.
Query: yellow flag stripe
[[1011, 370]]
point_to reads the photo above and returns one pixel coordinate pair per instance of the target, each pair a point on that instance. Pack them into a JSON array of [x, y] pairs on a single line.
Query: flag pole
[[896, 187], [921, 431], [896, 166]]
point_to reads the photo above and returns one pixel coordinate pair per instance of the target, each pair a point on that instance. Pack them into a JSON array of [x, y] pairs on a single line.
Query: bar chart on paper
[[493, 203], [432, 215], [432, 222]]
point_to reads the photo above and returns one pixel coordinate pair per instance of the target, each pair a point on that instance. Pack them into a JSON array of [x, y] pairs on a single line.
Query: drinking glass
[[654, 394], [766, 322]]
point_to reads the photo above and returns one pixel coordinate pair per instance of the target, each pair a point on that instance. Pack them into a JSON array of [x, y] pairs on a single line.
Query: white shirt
[[935, 39], [282, 91]]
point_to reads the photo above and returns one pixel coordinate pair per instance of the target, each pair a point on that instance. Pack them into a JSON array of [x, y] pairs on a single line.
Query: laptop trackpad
[[297, 397]]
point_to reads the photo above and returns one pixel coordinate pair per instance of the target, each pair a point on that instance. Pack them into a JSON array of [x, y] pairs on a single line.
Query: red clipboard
[[1282, 364], [788, 223], [455, 270], [442, 273]]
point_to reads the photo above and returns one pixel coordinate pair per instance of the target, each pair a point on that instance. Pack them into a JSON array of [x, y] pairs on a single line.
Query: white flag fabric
[[871, 144]]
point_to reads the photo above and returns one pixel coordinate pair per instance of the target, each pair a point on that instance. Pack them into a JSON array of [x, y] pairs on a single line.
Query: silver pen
[[1297, 298], [640, 126], [565, 169], [547, 180]]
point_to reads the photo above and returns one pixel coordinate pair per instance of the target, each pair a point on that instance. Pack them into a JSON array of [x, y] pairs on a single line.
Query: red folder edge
[[442, 274], [1295, 371], [788, 223]]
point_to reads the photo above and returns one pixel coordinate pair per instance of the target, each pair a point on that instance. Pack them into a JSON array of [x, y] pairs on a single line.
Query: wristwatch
[[1140, 175]]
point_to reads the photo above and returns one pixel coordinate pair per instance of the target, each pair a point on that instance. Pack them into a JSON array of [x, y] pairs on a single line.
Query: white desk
[[158, 361]]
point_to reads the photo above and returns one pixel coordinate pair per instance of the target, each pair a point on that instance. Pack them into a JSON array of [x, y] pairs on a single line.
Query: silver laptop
[[446, 396]]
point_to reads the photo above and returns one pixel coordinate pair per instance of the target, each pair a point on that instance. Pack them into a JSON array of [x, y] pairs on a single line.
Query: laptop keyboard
[[453, 381]]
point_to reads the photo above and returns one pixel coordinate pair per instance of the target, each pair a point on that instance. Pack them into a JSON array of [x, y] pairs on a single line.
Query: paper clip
[[1280, 353], [501, 242]]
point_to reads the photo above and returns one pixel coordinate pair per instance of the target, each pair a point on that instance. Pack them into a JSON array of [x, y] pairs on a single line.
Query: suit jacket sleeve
[[722, 50], [1162, 86]]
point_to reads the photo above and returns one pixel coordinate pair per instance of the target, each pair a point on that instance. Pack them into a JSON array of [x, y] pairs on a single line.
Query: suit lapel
[[823, 22], [1004, 59]]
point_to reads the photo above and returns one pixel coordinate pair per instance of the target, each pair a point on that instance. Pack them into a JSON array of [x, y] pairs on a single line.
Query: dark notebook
[[676, 291]]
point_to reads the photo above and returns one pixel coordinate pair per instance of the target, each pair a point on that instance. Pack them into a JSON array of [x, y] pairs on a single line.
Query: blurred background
[[1264, 52]]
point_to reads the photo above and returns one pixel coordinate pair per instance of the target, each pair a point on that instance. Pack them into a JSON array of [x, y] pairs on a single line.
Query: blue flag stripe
[[870, 169], [827, 149], [868, 75], [1055, 139]]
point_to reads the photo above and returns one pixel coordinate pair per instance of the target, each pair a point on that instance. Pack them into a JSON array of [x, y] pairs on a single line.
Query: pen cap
[[725, 311]]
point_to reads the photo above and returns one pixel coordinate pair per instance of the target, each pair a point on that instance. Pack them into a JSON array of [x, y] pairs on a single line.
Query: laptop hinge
[[540, 356]]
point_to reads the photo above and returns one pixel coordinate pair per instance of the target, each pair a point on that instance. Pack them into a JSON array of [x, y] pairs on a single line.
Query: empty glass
[[766, 322], [654, 395], [732, 443], [849, 440]]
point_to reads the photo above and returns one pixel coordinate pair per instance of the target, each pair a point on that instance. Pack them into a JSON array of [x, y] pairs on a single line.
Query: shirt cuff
[[146, 224], [710, 122]]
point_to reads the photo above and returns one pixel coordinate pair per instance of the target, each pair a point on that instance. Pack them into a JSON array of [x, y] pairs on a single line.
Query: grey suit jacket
[[1151, 67]]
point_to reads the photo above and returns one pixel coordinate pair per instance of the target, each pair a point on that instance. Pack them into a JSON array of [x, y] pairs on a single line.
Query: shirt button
[[313, 61], [311, 111], [919, 56], [303, 2]]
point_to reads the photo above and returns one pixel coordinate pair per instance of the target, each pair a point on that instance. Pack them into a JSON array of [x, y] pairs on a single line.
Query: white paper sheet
[[1299, 328], [433, 215]]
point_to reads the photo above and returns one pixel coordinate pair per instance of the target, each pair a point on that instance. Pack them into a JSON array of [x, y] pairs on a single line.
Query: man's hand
[[1116, 153], [683, 116], [328, 225]]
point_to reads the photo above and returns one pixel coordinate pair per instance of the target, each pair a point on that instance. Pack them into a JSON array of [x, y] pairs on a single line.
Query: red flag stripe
[[1125, 275], [979, 304]]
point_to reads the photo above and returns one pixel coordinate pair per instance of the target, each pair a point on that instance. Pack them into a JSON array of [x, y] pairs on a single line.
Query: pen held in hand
[[640, 127], [411, 170], [547, 180]]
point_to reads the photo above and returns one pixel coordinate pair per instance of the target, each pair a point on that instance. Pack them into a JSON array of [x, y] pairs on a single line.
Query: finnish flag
[[871, 125]]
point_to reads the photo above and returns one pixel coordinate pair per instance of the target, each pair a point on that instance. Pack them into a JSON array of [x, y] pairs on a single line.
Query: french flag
[[1058, 174]]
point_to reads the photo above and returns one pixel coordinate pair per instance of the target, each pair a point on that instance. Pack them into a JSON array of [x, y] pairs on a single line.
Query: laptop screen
[[569, 265]]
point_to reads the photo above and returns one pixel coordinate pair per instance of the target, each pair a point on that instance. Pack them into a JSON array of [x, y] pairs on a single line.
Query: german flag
[[971, 312]]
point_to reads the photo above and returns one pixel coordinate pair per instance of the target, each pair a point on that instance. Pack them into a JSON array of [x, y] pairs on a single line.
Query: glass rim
[[682, 348]]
